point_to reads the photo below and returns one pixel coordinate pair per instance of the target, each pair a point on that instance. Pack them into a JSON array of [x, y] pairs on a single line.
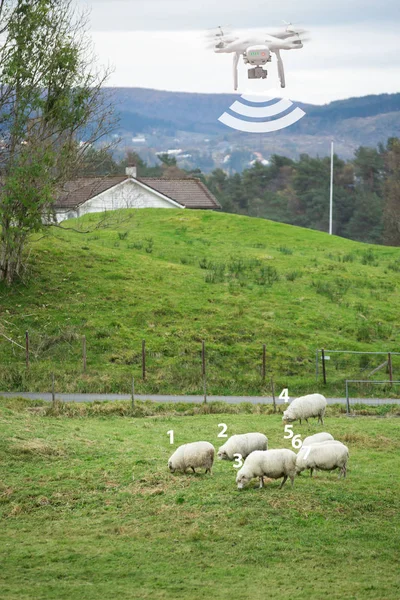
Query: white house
[[98, 194]]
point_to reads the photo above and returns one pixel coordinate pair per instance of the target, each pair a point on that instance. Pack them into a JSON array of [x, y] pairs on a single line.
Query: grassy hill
[[89, 510], [175, 278]]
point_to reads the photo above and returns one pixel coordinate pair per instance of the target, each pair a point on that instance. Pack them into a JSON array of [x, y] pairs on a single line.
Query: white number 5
[[289, 431], [239, 460]]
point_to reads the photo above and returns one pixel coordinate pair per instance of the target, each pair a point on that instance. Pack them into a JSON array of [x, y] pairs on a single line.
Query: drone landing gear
[[257, 73]]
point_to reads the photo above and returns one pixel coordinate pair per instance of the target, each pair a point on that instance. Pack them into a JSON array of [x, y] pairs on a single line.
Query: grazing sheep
[[271, 463], [243, 444], [317, 438], [325, 456], [192, 456], [304, 407]]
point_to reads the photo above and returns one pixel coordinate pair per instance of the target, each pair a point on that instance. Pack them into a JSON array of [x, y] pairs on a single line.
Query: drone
[[257, 50]]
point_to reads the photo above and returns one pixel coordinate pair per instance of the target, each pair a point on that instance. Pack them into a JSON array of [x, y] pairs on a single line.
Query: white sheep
[[192, 456], [325, 456], [242, 444], [317, 438], [271, 463], [304, 407]]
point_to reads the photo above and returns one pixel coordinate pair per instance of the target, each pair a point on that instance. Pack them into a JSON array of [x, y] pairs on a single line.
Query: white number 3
[[238, 461]]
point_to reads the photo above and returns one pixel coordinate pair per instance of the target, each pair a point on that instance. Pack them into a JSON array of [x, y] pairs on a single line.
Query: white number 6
[[239, 459], [296, 441]]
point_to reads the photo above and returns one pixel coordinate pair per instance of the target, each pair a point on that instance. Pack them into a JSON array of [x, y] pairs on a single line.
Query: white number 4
[[284, 395], [239, 460], [289, 431]]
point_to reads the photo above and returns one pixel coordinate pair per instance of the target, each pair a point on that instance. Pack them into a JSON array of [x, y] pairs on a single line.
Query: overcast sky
[[354, 48]]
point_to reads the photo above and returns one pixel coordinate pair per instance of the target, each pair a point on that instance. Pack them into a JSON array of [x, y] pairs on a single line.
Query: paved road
[[172, 399]]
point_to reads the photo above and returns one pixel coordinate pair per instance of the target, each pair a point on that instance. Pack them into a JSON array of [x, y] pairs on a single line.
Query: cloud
[[338, 62], [148, 15]]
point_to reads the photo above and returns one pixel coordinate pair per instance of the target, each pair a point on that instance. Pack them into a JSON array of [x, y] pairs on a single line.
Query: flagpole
[[331, 194]]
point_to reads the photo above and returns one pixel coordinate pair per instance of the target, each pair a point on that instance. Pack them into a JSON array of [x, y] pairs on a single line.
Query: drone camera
[[257, 73]]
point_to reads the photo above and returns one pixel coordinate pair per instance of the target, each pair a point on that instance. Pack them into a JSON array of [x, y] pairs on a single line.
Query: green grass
[[89, 510], [175, 278]]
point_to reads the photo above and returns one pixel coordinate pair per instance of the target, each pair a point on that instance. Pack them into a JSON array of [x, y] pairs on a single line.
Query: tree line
[[366, 196], [366, 193]]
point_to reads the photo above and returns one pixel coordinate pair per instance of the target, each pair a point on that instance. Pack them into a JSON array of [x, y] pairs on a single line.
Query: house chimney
[[131, 170]]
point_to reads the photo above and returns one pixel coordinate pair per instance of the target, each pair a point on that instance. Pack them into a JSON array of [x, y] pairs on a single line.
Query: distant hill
[[189, 122]]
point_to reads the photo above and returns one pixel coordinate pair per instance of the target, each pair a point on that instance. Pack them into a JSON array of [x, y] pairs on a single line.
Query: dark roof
[[191, 193], [80, 190]]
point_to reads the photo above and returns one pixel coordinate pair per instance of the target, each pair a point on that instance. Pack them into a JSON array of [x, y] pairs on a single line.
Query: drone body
[[257, 50]]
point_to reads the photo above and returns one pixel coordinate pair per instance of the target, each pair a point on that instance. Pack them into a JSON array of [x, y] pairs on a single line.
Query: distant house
[[99, 194]]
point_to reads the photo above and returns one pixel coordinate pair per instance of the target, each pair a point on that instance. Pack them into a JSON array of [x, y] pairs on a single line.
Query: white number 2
[[289, 431], [284, 395], [222, 432], [239, 460], [171, 436]]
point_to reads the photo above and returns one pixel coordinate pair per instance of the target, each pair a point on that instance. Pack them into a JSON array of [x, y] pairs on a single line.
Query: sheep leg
[[292, 479], [209, 471], [311, 471], [193, 469], [283, 482], [307, 422], [261, 482]]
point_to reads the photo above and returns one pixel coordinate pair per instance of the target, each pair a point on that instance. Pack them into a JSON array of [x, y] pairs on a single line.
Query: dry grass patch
[[35, 447]]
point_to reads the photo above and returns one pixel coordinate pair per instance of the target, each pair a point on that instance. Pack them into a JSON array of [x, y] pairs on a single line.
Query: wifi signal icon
[[260, 118]]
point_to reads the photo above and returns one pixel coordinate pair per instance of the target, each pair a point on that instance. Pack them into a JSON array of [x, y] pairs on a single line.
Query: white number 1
[[171, 436]]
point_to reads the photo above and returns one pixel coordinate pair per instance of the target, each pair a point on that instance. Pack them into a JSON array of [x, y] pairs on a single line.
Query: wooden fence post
[[84, 353], [390, 368], [263, 364], [203, 359], [27, 349], [273, 393], [144, 360], [53, 388], [323, 365]]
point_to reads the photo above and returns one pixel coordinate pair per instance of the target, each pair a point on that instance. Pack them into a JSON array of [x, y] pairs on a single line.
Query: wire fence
[[343, 364], [367, 384]]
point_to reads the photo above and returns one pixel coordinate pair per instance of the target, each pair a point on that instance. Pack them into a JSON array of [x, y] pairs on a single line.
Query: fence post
[[203, 360], [347, 398], [273, 393], [390, 368], [53, 386], [144, 360], [27, 349], [263, 364], [84, 353], [133, 393], [323, 364]]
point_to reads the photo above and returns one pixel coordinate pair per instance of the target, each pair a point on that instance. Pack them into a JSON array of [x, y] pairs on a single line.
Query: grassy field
[[89, 510], [175, 278]]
